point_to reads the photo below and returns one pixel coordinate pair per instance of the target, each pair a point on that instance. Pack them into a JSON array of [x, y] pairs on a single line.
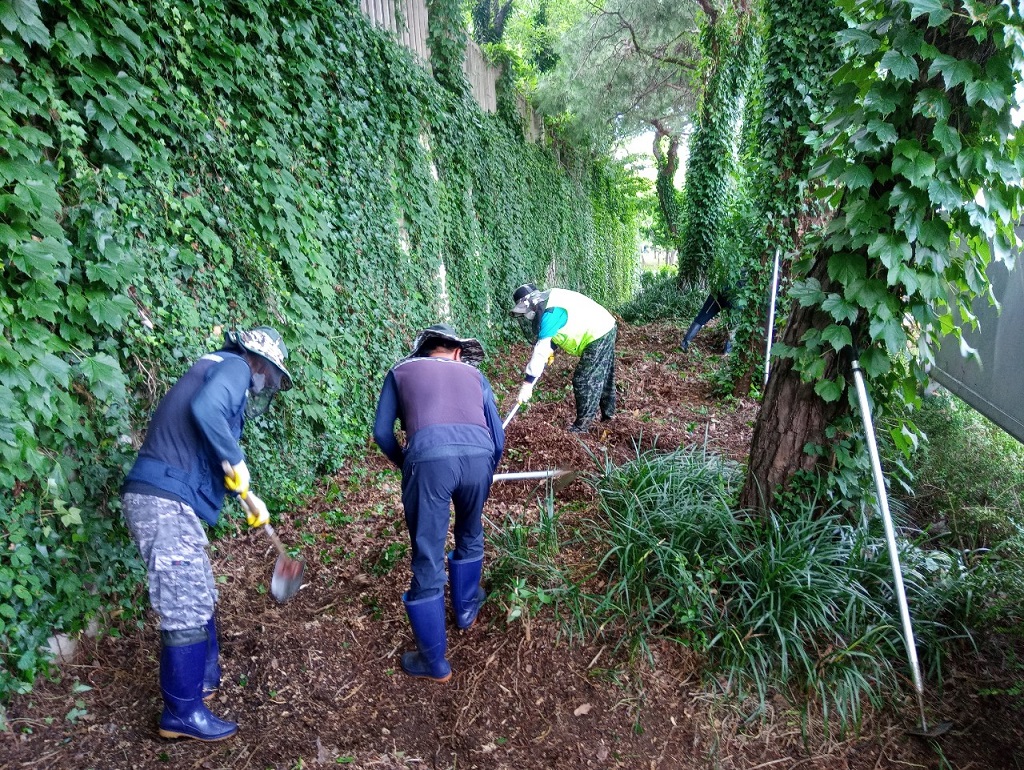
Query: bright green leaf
[[990, 92], [901, 66], [828, 390], [838, 336], [807, 292]]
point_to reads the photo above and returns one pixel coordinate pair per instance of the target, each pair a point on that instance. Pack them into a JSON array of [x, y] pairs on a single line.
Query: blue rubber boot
[[690, 334], [211, 674], [467, 593], [426, 616], [182, 663]]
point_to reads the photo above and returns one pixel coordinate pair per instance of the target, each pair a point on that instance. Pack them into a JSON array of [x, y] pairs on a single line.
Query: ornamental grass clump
[[797, 603]]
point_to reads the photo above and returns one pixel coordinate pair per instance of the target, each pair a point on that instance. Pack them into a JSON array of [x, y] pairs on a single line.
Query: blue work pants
[[429, 489]]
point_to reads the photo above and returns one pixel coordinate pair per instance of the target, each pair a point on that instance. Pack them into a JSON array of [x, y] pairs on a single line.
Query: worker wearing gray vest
[[581, 327]]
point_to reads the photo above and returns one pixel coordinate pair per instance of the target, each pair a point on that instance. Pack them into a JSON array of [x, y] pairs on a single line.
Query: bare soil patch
[[316, 682]]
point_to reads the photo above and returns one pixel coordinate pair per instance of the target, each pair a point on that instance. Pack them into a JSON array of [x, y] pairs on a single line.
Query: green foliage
[[968, 476], [921, 173], [795, 602], [526, 572], [625, 65], [180, 168], [660, 298], [730, 47], [917, 126], [788, 81]]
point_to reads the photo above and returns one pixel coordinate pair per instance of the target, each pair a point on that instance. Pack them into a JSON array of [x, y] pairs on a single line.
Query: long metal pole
[[529, 475], [511, 414], [890, 534], [771, 318]]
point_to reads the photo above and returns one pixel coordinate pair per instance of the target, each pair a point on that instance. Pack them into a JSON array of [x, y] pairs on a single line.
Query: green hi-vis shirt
[[573, 320]]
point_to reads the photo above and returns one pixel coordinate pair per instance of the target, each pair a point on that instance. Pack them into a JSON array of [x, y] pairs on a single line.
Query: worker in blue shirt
[[454, 441], [726, 298], [176, 484]]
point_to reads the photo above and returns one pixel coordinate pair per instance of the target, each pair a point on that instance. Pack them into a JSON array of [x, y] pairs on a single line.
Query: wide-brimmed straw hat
[[472, 350]]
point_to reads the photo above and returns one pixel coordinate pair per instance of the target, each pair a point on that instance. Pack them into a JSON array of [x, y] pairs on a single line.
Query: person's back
[[581, 327], [440, 405], [454, 441]]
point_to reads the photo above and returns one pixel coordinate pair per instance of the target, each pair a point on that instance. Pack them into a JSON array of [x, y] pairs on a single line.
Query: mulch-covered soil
[[316, 681]]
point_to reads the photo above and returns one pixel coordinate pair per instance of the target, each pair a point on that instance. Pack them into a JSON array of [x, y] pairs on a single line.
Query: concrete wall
[[408, 20]]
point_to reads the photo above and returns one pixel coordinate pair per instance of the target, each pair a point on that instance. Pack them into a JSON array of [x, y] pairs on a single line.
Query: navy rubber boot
[[426, 616], [181, 682], [467, 593], [690, 334], [211, 674]]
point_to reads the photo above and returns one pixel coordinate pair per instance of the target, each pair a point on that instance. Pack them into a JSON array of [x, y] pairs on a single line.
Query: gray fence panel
[[996, 386]]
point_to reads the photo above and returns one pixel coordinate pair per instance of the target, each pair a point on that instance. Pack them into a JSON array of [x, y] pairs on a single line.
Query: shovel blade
[[924, 731], [287, 578], [563, 480]]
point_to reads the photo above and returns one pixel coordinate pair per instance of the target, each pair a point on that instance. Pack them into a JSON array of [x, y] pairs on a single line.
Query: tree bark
[[667, 162], [792, 414]]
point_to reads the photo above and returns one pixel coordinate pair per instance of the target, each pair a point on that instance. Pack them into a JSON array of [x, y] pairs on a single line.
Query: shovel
[[286, 579], [561, 477]]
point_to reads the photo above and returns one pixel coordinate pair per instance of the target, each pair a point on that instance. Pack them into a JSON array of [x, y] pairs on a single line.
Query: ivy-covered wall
[[174, 168]]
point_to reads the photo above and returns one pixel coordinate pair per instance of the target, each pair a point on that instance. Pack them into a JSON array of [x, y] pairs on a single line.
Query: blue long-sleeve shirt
[[195, 427]]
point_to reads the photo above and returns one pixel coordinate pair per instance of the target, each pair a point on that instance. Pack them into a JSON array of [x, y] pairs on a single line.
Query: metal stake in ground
[[890, 536]]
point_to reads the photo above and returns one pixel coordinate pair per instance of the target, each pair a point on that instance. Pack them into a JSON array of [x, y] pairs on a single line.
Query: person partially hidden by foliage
[[454, 441], [176, 484], [579, 326], [723, 299]]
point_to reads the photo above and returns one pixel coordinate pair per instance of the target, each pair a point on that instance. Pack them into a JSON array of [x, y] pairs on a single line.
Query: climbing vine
[[918, 156], [181, 167], [798, 52], [730, 44]]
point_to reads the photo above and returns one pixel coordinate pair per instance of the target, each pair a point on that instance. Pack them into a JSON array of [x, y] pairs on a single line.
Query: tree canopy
[[625, 66]]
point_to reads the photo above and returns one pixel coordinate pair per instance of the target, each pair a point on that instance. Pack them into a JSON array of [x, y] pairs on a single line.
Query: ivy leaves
[[917, 126], [175, 167]]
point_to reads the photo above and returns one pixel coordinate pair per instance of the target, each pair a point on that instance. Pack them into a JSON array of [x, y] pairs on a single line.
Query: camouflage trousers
[[172, 542], [593, 382]]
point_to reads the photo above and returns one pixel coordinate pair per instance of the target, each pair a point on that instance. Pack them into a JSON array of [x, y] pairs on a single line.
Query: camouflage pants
[[173, 544], [593, 382]]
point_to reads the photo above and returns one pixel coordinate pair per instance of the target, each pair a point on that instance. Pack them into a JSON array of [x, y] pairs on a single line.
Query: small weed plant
[[969, 474], [527, 572]]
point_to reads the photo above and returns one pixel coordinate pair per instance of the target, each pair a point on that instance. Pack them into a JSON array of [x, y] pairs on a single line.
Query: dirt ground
[[316, 681]]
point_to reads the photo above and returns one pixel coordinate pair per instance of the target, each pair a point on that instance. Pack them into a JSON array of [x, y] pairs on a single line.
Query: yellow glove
[[525, 392], [238, 480], [256, 512]]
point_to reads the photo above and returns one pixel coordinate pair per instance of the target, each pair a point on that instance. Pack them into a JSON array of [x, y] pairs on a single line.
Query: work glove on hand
[[238, 481], [256, 512], [525, 392]]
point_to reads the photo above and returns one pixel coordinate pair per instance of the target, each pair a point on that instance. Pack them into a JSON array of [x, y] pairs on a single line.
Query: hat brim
[[472, 350]]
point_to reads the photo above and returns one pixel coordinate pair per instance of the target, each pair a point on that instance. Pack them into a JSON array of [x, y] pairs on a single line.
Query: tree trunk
[[667, 162], [792, 415]]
